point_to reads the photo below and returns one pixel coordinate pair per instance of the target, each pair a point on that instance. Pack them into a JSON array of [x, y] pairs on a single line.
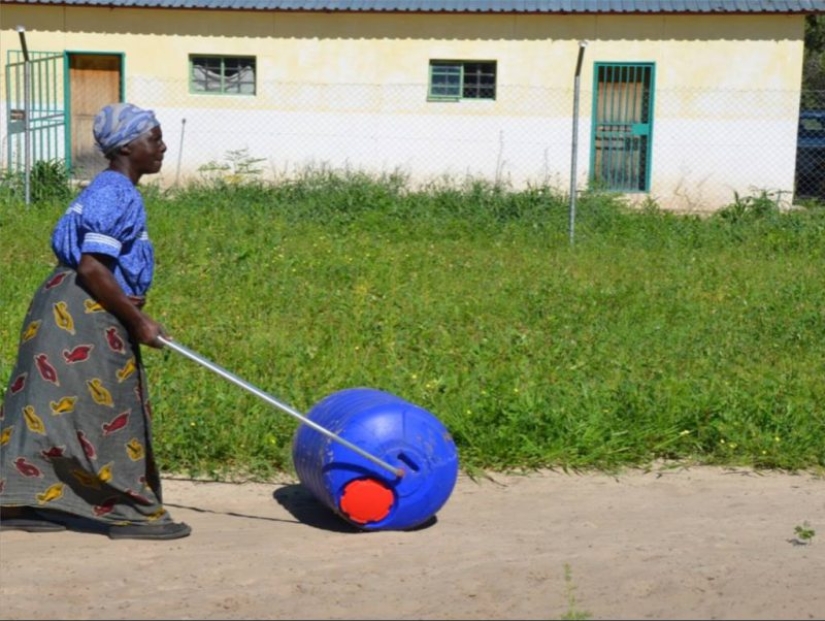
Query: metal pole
[[575, 141], [21, 30], [399, 472], [180, 150]]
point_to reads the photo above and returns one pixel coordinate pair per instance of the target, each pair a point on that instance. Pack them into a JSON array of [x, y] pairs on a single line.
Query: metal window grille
[[223, 75], [462, 80], [479, 81]]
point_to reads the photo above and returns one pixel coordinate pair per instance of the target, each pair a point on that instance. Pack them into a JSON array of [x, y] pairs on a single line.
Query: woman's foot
[[32, 520], [27, 519], [167, 530]]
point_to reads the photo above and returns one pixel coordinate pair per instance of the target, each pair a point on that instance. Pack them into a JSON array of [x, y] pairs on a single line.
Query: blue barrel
[[395, 431]]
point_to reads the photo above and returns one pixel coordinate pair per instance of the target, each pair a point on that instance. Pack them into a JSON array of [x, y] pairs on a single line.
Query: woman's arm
[[95, 274]]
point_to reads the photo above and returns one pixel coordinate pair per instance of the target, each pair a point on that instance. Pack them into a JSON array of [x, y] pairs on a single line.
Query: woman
[[75, 424]]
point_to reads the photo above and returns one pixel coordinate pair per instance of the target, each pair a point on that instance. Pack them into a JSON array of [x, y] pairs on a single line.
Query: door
[[622, 122], [95, 80]]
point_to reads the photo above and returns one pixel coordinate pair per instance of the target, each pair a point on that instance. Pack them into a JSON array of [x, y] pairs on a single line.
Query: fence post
[[575, 141], [21, 30]]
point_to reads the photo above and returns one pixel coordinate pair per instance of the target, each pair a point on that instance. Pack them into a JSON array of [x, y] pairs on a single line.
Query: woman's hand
[[147, 332]]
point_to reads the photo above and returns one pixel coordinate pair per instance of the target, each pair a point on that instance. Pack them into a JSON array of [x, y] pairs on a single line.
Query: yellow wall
[[701, 51], [723, 83]]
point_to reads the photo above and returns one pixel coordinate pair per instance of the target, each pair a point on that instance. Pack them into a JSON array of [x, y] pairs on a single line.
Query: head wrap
[[120, 123]]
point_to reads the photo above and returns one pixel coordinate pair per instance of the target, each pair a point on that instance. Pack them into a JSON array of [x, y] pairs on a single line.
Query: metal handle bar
[[399, 472]]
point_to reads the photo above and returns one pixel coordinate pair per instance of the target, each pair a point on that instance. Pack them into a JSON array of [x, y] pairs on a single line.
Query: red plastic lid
[[366, 500]]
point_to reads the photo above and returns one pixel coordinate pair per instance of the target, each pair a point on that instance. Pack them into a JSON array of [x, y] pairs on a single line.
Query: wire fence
[[699, 150]]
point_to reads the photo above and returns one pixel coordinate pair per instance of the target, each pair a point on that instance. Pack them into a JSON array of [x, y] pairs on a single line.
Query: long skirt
[[75, 422]]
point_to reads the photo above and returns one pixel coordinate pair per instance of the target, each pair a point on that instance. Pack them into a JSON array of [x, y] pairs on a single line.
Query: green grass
[[653, 337]]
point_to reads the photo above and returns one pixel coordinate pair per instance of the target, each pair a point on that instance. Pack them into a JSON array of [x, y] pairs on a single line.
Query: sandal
[[168, 530], [28, 520]]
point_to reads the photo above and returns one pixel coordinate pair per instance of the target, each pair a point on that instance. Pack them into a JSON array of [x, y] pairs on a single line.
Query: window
[[453, 80], [231, 75]]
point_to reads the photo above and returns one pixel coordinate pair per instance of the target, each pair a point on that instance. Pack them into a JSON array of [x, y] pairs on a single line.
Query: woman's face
[[146, 151]]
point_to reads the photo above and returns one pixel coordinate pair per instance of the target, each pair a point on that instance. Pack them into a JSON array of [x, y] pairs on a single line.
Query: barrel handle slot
[[409, 462]]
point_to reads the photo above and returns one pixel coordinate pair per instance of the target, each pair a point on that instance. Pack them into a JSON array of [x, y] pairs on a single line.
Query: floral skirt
[[75, 422]]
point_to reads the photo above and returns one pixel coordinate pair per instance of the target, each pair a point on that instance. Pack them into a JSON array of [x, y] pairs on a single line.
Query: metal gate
[[36, 109], [622, 121]]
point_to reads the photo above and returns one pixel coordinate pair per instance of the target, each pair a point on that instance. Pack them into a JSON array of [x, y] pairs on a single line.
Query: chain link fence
[[704, 147], [810, 147]]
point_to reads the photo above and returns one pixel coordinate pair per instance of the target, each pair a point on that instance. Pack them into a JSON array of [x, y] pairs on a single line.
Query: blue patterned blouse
[[108, 217]]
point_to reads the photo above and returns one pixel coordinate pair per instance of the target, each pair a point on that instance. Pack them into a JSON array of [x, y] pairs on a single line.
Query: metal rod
[[399, 472]]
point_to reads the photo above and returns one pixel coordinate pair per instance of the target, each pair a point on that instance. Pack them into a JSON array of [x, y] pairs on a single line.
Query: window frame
[[467, 76], [216, 65]]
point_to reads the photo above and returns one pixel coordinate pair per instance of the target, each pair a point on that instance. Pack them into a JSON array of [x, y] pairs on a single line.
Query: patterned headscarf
[[119, 124]]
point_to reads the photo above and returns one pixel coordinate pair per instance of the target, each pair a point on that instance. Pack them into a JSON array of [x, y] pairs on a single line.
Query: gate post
[[27, 70]]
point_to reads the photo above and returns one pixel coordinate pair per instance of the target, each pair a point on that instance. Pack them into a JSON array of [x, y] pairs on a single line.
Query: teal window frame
[[213, 74], [455, 80]]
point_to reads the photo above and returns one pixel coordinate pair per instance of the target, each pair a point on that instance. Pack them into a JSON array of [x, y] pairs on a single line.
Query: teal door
[[622, 122]]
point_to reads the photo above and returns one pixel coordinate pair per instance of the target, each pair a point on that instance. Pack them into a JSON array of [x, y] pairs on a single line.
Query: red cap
[[366, 500]]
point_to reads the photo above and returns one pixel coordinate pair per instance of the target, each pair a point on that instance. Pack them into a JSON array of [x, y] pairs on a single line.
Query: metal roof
[[464, 6]]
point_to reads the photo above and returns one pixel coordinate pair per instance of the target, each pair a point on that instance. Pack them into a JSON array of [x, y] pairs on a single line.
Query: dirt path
[[695, 543]]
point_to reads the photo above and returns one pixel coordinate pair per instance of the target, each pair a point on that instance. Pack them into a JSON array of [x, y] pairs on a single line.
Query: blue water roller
[[391, 429], [376, 460]]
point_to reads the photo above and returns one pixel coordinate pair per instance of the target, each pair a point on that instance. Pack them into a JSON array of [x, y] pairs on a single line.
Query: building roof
[[464, 6]]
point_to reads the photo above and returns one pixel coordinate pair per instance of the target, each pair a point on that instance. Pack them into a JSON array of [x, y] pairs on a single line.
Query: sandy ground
[[685, 543]]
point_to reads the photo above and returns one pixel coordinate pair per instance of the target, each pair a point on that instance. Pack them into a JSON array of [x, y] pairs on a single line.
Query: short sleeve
[[108, 217], [110, 220]]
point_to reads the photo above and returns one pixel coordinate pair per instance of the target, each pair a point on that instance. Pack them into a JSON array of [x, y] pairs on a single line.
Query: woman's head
[[119, 124]]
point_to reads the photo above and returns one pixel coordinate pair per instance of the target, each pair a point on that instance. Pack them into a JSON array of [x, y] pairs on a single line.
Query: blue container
[[395, 431]]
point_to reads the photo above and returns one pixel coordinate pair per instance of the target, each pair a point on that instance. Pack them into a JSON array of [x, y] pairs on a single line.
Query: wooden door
[[95, 80]]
